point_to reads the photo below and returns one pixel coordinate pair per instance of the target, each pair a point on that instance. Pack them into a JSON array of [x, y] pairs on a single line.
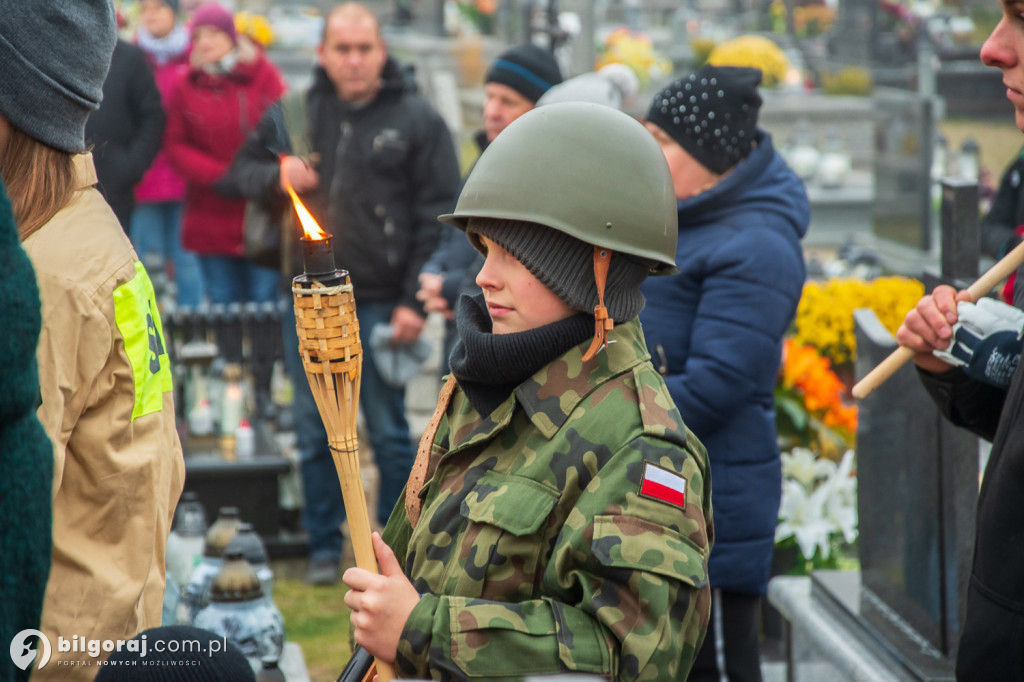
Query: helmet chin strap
[[602, 323]]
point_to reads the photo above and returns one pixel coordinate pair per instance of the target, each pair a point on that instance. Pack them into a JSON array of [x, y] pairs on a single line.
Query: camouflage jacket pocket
[[624, 541], [502, 546], [492, 640], [513, 503]]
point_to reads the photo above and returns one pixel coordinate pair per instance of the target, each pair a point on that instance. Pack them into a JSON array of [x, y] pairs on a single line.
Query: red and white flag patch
[[663, 485]]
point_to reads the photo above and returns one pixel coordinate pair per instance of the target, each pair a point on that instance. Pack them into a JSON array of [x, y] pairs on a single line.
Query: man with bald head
[[383, 168]]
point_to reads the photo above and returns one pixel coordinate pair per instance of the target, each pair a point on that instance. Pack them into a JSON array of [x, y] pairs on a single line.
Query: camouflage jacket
[[538, 552]]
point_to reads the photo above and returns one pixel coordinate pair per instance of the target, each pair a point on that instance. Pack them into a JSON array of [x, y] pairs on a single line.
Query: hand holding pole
[[902, 355]]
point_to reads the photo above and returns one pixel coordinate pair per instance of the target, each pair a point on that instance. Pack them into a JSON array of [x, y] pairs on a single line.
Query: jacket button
[[380, 210]]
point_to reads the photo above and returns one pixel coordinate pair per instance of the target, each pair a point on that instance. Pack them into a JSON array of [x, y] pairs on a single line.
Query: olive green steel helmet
[[585, 169]]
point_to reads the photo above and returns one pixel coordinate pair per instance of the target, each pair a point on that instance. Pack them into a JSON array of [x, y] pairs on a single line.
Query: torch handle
[[359, 530], [902, 355], [354, 496]]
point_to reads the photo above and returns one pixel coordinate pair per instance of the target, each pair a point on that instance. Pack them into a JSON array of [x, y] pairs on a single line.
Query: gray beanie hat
[[565, 265], [54, 57]]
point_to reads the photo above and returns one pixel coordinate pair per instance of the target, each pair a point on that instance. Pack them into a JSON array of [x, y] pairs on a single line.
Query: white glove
[[987, 341]]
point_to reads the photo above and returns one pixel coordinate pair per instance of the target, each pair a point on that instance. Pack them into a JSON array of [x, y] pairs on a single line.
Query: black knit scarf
[[490, 366]]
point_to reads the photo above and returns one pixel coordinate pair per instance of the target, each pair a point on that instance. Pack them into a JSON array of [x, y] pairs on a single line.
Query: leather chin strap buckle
[[602, 323]]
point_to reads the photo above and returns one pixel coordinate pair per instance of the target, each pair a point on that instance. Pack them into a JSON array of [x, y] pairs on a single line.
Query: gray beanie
[[54, 57], [565, 265]]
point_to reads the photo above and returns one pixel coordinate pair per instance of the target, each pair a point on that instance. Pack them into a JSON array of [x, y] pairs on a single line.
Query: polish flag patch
[[663, 485]]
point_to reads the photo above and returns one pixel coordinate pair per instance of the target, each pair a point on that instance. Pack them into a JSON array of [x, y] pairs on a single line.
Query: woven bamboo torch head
[[325, 314]]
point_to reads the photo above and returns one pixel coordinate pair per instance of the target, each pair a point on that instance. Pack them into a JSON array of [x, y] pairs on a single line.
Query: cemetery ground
[[315, 618]]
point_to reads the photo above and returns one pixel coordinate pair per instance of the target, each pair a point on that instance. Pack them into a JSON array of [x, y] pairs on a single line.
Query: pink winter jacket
[[208, 118]]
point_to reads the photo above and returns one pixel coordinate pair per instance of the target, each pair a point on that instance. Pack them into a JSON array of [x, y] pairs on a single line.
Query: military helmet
[[584, 169]]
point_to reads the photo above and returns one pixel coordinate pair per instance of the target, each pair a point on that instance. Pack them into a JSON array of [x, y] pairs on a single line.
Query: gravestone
[[917, 488], [904, 129], [900, 615], [853, 37]]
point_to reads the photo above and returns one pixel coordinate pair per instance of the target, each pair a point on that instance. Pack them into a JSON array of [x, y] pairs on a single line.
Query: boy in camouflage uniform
[[558, 517]]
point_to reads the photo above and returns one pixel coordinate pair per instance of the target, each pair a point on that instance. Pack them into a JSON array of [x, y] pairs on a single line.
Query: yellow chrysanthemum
[[824, 317], [636, 51], [754, 51], [256, 27]]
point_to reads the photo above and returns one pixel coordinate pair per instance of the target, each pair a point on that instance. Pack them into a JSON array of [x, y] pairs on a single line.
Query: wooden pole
[[902, 355], [332, 355]]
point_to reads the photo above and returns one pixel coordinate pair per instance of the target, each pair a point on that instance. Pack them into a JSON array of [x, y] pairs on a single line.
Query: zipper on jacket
[[390, 254], [339, 155], [389, 233]]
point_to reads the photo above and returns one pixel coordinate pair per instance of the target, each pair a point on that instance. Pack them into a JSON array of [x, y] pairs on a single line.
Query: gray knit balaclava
[[565, 265], [54, 57]]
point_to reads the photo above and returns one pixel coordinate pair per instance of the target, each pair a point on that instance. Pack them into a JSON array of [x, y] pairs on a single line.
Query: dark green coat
[[535, 551], [26, 455]]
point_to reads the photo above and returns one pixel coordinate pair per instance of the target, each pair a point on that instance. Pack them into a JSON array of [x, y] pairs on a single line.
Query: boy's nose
[[996, 51]]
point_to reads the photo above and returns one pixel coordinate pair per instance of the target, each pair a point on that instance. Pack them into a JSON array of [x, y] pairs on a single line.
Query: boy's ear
[[474, 238]]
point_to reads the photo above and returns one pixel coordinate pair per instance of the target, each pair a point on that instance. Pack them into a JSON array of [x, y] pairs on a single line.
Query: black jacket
[[999, 227], [455, 256], [992, 639], [387, 170], [127, 129]]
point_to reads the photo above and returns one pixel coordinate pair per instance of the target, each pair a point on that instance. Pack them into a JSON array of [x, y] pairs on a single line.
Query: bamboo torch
[[328, 330]]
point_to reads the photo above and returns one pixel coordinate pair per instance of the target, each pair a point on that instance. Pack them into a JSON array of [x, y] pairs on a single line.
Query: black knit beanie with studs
[[712, 114], [528, 69], [565, 265]]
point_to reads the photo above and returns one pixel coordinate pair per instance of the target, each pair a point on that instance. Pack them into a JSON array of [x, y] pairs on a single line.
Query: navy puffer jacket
[[715, 331]]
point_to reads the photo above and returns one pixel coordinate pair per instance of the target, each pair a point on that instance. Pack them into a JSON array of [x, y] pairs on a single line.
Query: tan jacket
[[107, 406]]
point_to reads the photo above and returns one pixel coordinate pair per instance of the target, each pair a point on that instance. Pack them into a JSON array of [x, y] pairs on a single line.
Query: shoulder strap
[[296, 121], [418, 475]]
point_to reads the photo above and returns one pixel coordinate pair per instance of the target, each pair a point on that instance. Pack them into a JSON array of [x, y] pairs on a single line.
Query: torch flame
[[309, 225]]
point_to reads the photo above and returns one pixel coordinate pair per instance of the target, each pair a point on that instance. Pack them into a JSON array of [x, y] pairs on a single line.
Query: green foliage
[[790, 561]]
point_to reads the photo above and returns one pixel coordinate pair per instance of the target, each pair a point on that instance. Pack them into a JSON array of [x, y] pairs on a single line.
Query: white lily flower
[[802, 517], [841, 508], [819, 501], [799, 465]]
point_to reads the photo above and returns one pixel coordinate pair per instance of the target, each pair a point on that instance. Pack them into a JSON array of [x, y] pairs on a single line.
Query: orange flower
[[796, 362], [811, 374], [843, 417]]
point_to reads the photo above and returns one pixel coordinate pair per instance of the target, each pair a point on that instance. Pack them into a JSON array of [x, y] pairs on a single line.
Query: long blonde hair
[[40, 180]]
